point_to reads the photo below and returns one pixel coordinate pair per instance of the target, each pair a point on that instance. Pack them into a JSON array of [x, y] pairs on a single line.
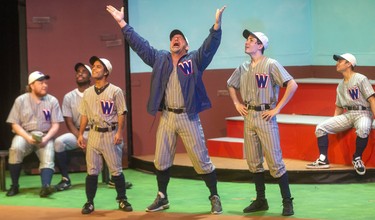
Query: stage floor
[[235, 170]]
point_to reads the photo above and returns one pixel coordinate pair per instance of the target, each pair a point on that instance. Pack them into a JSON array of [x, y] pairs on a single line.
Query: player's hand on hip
[[269, 114], [241, 109]]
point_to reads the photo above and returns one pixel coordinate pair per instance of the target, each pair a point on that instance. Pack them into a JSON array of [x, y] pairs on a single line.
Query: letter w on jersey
[[107, 106], [186, 67], [262, 80], [354, 93], [47, 114]]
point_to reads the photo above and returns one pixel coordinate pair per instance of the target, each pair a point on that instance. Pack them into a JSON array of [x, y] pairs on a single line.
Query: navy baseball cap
[[176, 31], [84, 65]]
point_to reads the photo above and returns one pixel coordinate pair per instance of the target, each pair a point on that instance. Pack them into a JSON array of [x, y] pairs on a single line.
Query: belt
[[86, 128], [100, 129], [356, 108], [258, 107], [175, 110]]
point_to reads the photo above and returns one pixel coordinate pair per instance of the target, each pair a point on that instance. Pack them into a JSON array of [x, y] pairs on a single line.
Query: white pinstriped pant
[[66, 142], [191, 133], [262, 138], [20, 148], [100, 145], [361, 120]]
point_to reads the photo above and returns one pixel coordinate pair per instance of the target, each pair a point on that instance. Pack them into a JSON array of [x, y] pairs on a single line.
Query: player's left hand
[[118, 138], [118, 15], [269, 114]]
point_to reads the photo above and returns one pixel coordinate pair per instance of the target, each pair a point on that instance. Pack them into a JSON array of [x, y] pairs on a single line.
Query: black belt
[[99, 129], [356, 108], [258, 107], [175, 110], [86, 128]]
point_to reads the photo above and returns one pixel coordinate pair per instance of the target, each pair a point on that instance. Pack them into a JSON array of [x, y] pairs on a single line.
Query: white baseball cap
[[348, 57], [104, 61], [84, 65], [259, 35], [37, 76]]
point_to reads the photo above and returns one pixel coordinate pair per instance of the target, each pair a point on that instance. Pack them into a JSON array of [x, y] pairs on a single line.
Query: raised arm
[[117, 15], [219, 13]]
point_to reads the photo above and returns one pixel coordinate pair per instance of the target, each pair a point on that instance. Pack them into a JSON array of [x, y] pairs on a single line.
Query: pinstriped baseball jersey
[[259, 84], [173, 94], [32, 116], [355, 92], [70, 105], [103, 109]]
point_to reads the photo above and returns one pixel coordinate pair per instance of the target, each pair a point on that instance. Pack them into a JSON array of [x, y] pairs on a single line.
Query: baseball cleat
[[88, 207], [158, 205], [257, 205], [318, 164], [216, 205], [359, 166]]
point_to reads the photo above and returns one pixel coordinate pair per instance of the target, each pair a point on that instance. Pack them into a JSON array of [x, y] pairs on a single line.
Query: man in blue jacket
[[177, 90]]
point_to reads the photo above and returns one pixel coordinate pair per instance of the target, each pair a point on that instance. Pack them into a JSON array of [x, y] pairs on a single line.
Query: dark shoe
[[124, 205], [216, 205], [288, 207], [318, 164], [128, 185], [63, 185], [14, 190], [88, 207], [359, 166], [159, 204], [257, 205], [46, 191]]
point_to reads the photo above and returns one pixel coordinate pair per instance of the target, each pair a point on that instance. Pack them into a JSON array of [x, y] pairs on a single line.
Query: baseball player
[[68, 141], [355, 107], [178, 91], [35, 118], [258, 81], [103, 107]]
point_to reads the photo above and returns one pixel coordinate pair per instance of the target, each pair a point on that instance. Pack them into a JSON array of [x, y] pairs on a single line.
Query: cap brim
[[93, 59], [78, 65], [337, 57], [246, 33], [174, 32]]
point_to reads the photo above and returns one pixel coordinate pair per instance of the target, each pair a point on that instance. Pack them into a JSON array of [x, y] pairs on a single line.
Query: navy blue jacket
[[190, 70]]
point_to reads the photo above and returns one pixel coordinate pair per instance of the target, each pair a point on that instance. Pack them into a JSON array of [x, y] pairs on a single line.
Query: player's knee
[[319, 132], [59, 146], [362, 133]]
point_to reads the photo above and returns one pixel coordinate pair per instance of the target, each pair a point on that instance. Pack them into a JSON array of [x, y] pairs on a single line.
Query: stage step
[[235, 124], [297, 139]]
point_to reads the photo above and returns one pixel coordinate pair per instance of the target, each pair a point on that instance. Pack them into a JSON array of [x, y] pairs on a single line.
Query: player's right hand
[[241, 109]]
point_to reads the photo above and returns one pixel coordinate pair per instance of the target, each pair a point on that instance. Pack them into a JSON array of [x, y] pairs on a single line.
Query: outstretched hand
[[117, 15], [219, 13]]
